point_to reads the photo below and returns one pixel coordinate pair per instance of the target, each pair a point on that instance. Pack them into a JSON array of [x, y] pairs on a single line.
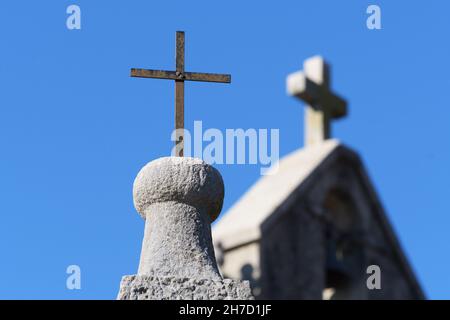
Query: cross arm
[[315, 95], [186, 76], [207, 77]]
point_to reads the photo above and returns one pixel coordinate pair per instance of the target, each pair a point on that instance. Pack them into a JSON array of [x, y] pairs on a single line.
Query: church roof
[[241, 224], [267, 199]]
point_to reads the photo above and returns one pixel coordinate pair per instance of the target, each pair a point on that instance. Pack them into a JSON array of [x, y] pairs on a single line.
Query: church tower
[[315, 229]]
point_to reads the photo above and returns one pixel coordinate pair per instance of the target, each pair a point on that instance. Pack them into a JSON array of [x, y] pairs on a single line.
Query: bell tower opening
[[343, 249]]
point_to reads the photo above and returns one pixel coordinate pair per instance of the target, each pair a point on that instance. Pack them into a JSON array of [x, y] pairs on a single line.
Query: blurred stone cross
[[312, 85], [179, 75]]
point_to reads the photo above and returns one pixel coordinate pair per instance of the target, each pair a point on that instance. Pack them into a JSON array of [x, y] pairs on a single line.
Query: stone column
[[179, 198]]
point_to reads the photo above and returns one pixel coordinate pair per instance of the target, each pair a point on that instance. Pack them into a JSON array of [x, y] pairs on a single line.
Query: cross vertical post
[[317, 118], [179, 94]]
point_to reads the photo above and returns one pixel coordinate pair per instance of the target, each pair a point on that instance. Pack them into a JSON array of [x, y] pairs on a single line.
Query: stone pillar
[[179, 198]]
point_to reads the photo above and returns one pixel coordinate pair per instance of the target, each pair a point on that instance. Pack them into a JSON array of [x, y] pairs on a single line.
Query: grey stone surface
[[186, 180], [315, 225], [179, 198], [149, 287]]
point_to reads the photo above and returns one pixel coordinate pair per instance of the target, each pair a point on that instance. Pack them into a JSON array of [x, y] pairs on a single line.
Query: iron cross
[[179, 75]]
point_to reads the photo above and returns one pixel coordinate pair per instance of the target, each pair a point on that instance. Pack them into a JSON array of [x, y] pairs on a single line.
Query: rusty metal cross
[[180, 76]]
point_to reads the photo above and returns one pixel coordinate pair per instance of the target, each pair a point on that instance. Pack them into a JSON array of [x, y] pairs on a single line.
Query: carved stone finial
[[179, 198]]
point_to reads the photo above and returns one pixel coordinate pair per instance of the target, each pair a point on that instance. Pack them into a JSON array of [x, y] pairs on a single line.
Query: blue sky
[[75, 128]]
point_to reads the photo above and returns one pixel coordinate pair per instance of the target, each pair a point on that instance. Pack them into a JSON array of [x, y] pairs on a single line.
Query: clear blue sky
[[75, 128]]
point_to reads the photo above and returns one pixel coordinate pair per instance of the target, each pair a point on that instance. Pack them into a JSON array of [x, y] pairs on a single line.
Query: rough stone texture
[[179, 198], [148, 287], [185, 180]]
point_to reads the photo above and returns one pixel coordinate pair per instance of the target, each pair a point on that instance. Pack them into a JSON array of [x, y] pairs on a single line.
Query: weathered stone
[[150, 287], [283, 235], [179, 198]]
